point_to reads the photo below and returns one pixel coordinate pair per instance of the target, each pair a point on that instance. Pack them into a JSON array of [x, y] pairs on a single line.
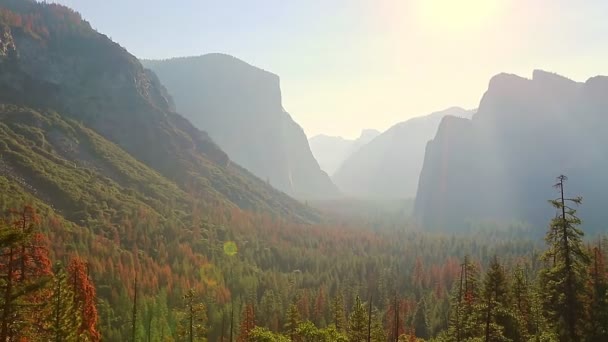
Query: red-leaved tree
[[25, 268], [85, 298]]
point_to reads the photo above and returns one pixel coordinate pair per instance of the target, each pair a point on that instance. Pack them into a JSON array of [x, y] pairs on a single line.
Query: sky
[[348, 65]]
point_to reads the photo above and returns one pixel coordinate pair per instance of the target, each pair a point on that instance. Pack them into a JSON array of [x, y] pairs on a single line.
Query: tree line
[[353, 286], [566, 299]]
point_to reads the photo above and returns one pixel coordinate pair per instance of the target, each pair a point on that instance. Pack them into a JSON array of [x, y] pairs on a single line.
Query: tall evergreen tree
[[522, 303], [337, 312], [464, 322], [378, 332], [247, 323], [395, 316], [495, 301], [85, 297], [319, 306], [192, 325], [598, 320], [564, 279], [421, 324], [357, 323], [134, 311], [25, 269], [64, 318], [293, 321]]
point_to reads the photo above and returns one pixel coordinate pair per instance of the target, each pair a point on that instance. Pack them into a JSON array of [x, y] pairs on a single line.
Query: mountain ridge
[[61, 63], [389, 165], [500, 164], [240, 106], [331, 151]]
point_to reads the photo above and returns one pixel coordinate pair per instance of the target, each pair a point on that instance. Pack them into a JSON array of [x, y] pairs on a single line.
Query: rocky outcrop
[[500, 165], [389, 165], [240, 107], [62, 64]]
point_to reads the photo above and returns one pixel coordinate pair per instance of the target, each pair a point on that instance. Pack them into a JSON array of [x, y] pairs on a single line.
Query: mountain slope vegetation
[[88, 137], [55, 60]]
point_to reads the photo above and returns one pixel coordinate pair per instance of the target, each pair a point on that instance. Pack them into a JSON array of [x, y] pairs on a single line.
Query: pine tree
[[464, 322], [158, 320], [395, 318], [319, 308], [522, 303], [598, 322], [337, 312], [85, 298], [64, 318], [293, 321], [134, 310], [564, 279], [247, 323], [378, 332], [495, 301], [357, 324], [421, 324], [25, 269], [542, 329], [192, 324]]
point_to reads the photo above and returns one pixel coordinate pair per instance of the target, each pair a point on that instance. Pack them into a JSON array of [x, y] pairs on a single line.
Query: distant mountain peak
[[240, 106], [224, 60], [448, 121], [388, 165], [499, 166], [61, 63], [369, 133], [512, 82], [549, 77], [327, 136], [598, 86], [505, 81], [331, 151], [454, 111]]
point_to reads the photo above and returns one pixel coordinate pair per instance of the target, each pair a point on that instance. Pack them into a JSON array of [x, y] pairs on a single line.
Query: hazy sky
[[346, 65]]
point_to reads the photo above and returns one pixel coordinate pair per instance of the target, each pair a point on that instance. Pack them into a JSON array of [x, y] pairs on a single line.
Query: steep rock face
[[500, 165], [331, 151], [389, 165], [240, 107], [59, 62]]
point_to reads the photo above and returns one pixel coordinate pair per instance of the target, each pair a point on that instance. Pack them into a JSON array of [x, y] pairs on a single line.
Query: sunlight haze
[[350, 65], [303, 170]]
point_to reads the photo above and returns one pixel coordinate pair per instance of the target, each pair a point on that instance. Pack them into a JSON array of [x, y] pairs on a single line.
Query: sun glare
[[460, 15]]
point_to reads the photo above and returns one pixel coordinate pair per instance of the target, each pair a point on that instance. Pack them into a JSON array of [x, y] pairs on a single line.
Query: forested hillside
[[271, 281], [53, 60]]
